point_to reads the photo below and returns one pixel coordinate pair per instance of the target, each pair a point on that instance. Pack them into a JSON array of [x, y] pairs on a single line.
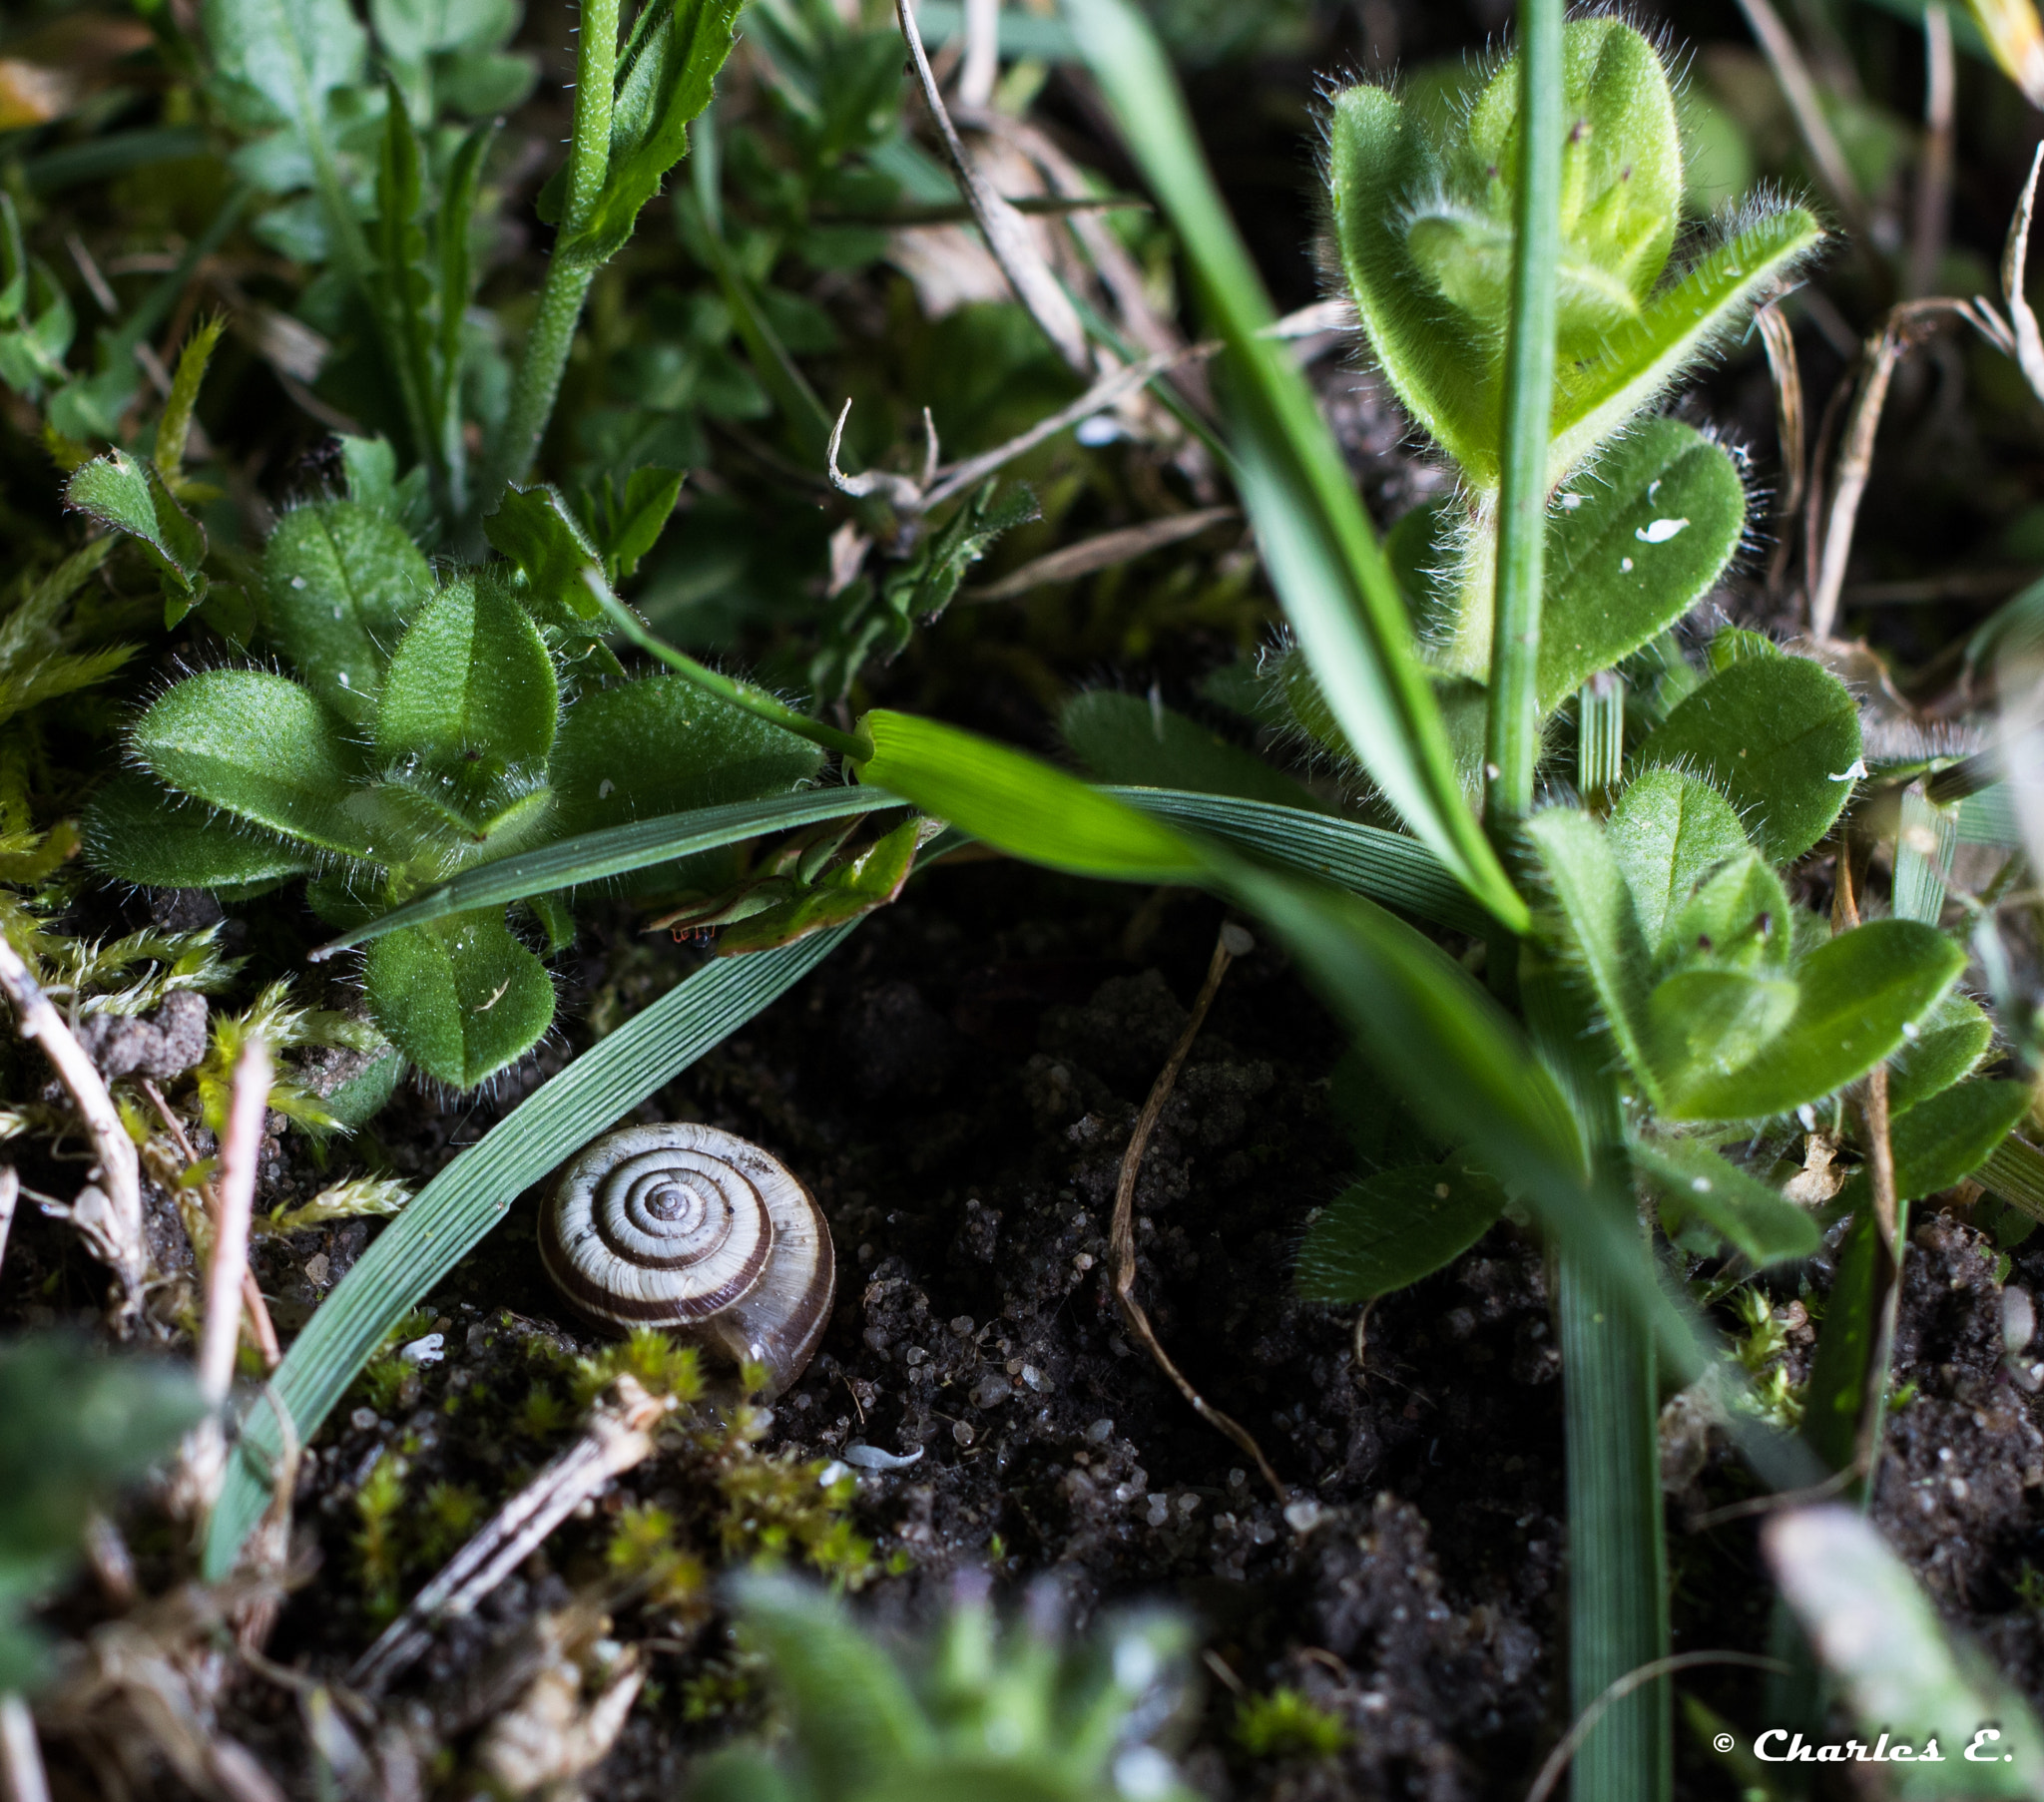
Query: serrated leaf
[[1756, 1221], [460, 998], [1780, 735], [1856, 998], [1669, 830], [259, 746], [341, 583], [1120, 739], [470, 688], [1632, 544], [1392, 1229], [136, 833], [664, 81], [123, 492], [1947, 1047], [1602, 930]]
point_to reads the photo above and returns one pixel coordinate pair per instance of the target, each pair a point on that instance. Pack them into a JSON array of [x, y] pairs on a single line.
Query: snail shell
[[697, 1230]]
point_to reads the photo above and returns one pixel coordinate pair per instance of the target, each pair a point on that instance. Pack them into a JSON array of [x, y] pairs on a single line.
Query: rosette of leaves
[[1647, 514], [1733, 1018], [428, 726]]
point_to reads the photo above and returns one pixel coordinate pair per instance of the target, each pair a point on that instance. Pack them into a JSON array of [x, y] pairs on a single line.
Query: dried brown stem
[[1934, 172], [225, 1277], [108, 1211], [619, 1436], [10, 1197], [1791, 73], [1232, 942], [1005, 230], [260, 1326]]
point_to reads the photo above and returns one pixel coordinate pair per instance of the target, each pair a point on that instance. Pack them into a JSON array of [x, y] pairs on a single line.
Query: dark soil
[[958, 1086]]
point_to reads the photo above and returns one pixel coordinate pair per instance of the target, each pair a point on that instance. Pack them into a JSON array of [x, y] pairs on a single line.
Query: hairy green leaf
[[1756, 1221], [460, 998], [1947, 1045], [127, 494], [341, 583], [539, 531], [292, 53], [1120, 739], [664, 81], [1855, 999], [1669, 831], [662, 745], [259, 746], [1780, 735], [1703, 1025], [1946, 1138], [1737, 918], [1392, 1229], [1602, 930], [136, 833], [1632, 544], [470, 687]]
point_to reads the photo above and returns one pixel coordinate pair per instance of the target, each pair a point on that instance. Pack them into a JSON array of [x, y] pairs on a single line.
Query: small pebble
[[1237, 1479], [364, 1420], [1159, 1510], [990, 1391], [1188, 1503], [962, 1327], [961, 1432], [913, 1356], [1101, 1431], [2018, 1319], [316, 1267], [1033, 1377], [1084, 1261], [430, 1350], [1238, 940], [1303, 1517], [829, 1474]]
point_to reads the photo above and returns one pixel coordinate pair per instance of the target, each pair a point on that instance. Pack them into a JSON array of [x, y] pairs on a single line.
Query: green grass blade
[[1324, 559], [471, 1195], [2015, 1172], [1388, 867], [615, 851], [1513, 727]]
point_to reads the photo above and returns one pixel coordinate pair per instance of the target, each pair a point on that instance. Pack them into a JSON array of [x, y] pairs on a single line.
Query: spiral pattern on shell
[[695, 1229]]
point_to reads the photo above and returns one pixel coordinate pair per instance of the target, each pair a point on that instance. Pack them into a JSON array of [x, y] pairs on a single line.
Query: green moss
[[644, 1550], [779, 1509], [1285, 1724], [661, 1366], [451, 1512], [542, 1413], [377, 1503]]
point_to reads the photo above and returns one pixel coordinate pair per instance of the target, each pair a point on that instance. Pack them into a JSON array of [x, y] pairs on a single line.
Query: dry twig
[[108, 1211], [22, 1777], [1102, 552], [260, 1326], [1799, 90], [1232, 942], [1005, 230]]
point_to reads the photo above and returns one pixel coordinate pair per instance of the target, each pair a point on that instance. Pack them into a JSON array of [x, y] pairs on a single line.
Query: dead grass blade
[[1102, 552]]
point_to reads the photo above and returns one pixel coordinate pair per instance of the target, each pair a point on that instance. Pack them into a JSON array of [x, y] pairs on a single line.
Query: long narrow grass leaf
[[1324, 559], [472, 1195], [615, 851]]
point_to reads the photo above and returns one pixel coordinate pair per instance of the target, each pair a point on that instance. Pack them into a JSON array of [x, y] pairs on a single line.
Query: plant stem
[[545, 357], [1513, 738]]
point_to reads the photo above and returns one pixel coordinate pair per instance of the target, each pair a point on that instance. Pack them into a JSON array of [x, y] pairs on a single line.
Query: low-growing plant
[[989, 1713]]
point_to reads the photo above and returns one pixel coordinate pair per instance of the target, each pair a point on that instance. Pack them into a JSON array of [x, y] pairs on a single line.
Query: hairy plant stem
[[545, 357], [1513, 738]]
